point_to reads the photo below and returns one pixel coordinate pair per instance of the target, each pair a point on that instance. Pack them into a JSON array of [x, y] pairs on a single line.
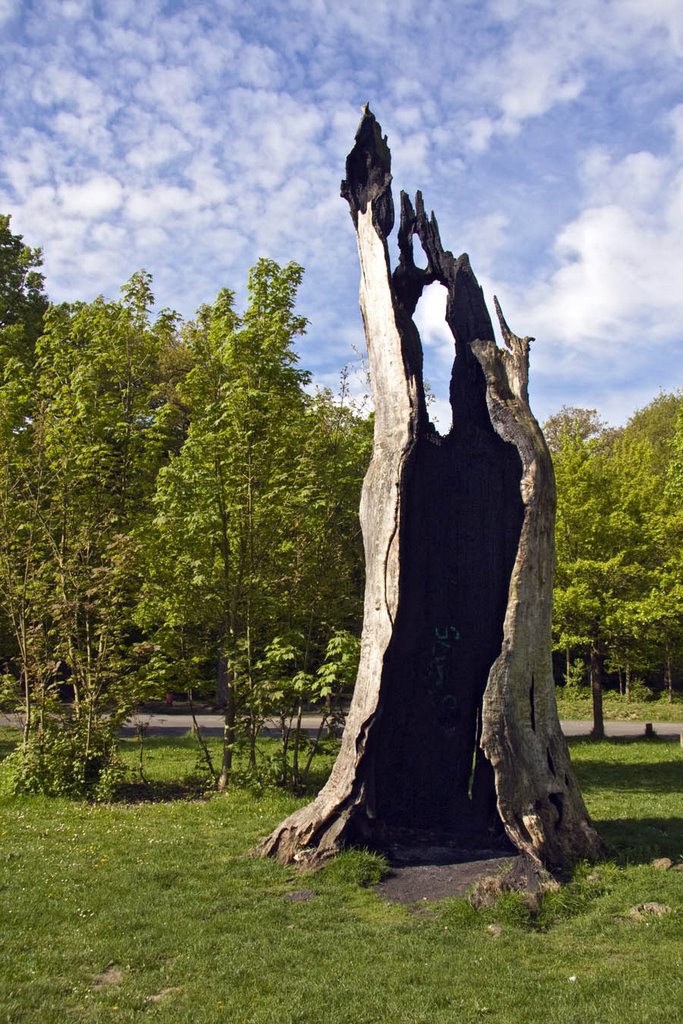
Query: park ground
[[152, 909]]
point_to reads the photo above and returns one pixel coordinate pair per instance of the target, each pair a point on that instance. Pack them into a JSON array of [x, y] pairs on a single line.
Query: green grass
[[577, 704], [161, 902]]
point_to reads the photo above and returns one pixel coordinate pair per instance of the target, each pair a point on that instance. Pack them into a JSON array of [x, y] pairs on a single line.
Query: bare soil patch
[[437, 873]]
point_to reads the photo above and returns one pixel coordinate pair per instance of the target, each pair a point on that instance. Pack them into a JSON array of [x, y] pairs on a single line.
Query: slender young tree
[[224, 538]]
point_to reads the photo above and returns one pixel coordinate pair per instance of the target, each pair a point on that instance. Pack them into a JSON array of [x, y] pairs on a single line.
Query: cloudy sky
[[190, 138]]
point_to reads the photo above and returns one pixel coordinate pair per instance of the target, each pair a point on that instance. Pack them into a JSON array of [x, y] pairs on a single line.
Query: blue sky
[[191, 138]]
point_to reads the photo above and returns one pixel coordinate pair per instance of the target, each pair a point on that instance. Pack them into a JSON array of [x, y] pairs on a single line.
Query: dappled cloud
[[192, 140]]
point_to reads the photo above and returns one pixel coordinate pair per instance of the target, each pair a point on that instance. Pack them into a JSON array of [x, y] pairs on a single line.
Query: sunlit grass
[[154, 911], [577, 704]]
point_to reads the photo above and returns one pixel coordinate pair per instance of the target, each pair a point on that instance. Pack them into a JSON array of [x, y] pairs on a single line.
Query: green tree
[[22, 308], [81, 470], [589, 569], [619, 536], [222, 546], [255, 553], [646, 466], [23, 302]]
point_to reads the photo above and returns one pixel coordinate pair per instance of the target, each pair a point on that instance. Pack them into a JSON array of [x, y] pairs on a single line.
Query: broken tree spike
[[508, 336], [512, 367]]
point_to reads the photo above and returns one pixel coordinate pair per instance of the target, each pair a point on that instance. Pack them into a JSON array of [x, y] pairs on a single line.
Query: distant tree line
[[618, 601], [178, 513]]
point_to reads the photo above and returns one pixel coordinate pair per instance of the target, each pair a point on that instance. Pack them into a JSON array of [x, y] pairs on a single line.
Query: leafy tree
[[221, 545], [254, 557], [576, 423], [23, 302], [23, 305], [647, 469], [589, 570], [674, 473], [619, 537], [80, 471]]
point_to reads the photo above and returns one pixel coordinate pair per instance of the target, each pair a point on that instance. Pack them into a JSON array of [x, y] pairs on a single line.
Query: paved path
[[176, 723], [664, 730]]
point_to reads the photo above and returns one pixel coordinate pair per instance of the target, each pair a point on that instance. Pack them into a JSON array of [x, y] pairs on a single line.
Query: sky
[[192, 138]]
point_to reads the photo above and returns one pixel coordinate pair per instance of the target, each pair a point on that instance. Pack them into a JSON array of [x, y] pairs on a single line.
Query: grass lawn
[[153, 911], [577, 704]]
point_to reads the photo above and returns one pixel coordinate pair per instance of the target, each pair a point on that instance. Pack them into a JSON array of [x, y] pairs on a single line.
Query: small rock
[[677, 867], [662, 863], [112, 976], [655, 909], [160, 996], [495, 930], [300, 895]]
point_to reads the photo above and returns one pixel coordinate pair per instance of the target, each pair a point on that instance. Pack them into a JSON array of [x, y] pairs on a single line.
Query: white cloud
[[92, 198], [166, 88], [73, 9], [192, 138], [160, 203], [163, 143], [620, 262], [109, 236], [57, 84], [478, 133], [430, 318], [8, 9], [664, 14]]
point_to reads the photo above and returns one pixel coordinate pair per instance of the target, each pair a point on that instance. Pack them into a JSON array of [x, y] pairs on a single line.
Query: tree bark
[[453, 734], [598, 730], [229, 719], [668, 675]]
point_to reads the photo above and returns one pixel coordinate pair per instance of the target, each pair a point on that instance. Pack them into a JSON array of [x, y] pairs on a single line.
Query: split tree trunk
[[453, 733]]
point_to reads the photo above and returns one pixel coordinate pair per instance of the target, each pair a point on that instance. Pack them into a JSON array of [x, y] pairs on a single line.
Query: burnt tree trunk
[[453, 733]]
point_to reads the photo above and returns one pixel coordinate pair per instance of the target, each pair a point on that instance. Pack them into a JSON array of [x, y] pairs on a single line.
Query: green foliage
[[575, 678], [177, 512], [81, 446], [575, 704], [66, 763], [337, 674], [619, 539], [252, 554], [22, 300]]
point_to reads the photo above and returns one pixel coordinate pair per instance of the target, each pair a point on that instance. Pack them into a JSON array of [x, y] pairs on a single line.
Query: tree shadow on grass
[[641, 840], [7, 746], [650, 777], [634, 777], [160, 791]]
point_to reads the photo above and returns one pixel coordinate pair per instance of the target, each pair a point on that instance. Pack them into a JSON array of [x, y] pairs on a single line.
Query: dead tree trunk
[[453, 732]]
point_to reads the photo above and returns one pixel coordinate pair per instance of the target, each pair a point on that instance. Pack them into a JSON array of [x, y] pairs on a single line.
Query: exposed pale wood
[[453, 732], [320, 827], [538, 797]]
